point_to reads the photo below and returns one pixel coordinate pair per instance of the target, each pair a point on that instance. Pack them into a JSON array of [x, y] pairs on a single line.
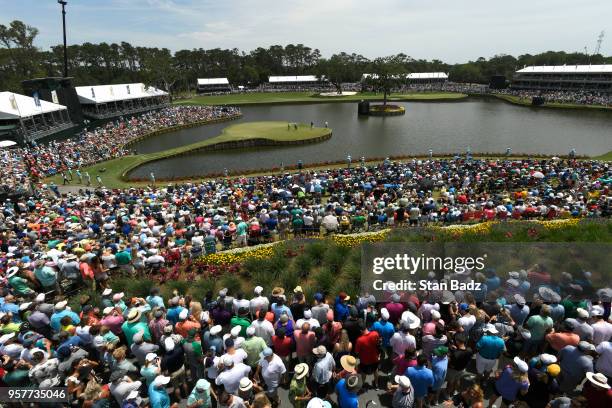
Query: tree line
[[103, 63]]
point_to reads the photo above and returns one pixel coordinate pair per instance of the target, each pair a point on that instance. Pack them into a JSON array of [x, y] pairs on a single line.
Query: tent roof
[[428, 75], [566, 69], [414, 75], [293, 78], [15, 106], [120, 92], [7, 143], [213, 81]]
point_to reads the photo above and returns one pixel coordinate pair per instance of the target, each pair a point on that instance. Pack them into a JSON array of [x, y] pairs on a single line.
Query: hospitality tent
[[31, 118], [106, 101], [213, 85]]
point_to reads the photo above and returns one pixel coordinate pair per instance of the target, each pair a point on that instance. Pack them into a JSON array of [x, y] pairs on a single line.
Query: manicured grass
[[305, 97], [112, 171], [527, 102], [605, 157]]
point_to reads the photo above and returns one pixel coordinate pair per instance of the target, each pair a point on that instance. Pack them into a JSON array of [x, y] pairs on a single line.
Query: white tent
[[114, 93], [213, 81], [6, 143], [428, 75], [567, 69], [15, 106], [292, 79]]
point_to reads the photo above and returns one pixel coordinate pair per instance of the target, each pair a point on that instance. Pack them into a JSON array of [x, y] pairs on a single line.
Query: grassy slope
[[301, 97], [274, 130]]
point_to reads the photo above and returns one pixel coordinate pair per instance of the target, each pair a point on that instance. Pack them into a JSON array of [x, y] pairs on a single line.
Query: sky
[[450, 30]]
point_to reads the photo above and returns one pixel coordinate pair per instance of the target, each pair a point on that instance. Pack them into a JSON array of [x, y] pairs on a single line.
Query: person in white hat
[[519, 311], [158, 395], [258, 302], [511, 382], [151, 368], [322, 371], [230, 374], [602, 329], [596, 390], [575, 362], [62, 311], [385, 330], [271, 369], [490, 347], [581, 325], [403, 393]]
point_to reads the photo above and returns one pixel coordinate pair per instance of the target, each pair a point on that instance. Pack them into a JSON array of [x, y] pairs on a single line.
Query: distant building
[[212, 85], [25, 119], [296, 81], [107, 101], [417, 77], [590, 78]]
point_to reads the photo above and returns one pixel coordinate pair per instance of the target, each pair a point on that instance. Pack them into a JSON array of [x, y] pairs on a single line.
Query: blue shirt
[[346, 399], [439, 366], [155, 301], [58, 316], [341, 310], [158, 397], [508, 387], [421, 378], [490, 347], [173, 314], [385, 329]]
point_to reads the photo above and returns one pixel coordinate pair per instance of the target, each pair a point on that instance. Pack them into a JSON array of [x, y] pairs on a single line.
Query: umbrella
[[538, 174], [7, 143]]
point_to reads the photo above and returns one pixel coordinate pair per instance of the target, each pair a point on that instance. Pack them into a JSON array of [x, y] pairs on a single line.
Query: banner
[[54, 97], [541, 270]]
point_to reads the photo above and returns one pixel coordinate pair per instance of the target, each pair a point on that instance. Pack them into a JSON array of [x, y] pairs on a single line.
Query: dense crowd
[[572, 97], [21, 166], [278, 348]]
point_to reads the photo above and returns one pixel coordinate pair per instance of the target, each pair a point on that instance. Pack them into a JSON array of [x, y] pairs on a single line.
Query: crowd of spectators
[[571, 97], [24, 165]]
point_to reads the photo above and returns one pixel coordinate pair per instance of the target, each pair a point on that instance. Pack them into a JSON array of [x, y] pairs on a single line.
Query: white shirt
[[238, 357], [259, 303], [237, 304], [313, 323], [272, 371], [263, 329], [602, 331], [400, 342], [467, 321], [230, 379]]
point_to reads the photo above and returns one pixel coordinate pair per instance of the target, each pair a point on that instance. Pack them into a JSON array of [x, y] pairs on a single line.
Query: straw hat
[[301, 371], [348, 363]]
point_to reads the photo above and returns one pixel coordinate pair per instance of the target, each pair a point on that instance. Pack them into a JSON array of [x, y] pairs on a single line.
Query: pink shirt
[[113, 322], [304, 342]]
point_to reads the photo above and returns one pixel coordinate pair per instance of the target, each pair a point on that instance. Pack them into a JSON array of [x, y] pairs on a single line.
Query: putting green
[[244, 135]]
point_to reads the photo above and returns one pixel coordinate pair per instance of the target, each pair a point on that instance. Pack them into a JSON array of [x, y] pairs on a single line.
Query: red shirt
[[597, 397], [366, 348], [282, 347], [395, 312]]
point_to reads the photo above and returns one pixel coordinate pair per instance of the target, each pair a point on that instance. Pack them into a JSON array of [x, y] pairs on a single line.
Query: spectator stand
[[27, 119], [108, 101]]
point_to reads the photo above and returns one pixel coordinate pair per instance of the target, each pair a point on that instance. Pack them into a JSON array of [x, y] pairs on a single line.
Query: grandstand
[[213, 85], [107, 101], [589, 78], [25, 119], [296, 82]]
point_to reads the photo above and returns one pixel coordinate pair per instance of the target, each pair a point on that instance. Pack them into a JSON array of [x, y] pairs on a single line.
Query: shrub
[[199, 288], [289, 279], [74, 301], [324, 280], [231, 282], [303, 265], [335, 256], [180, 286], [316, 251]]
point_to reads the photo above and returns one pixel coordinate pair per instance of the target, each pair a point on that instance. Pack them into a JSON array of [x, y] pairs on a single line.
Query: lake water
[[483, 125]]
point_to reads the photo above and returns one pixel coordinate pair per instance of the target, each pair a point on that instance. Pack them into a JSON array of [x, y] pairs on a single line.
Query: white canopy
[[121, 92], [428, 75], [15, 106], [414, 75], [213, 81], [7, 143], [292, 79], [567, 69]]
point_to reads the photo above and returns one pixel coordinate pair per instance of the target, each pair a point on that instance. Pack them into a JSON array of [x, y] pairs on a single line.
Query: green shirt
[[538, 326], [123, 258], [241, 321], [17, 378], [253, 346], [130, 329], [20, 285]]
